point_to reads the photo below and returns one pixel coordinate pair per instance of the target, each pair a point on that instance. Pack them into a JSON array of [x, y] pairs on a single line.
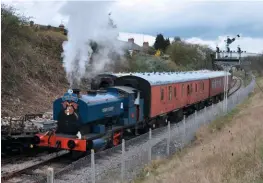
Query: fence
[[124, 162]]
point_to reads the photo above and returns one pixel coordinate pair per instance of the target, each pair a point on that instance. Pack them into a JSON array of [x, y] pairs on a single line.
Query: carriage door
[[163, 100], [169, 99]]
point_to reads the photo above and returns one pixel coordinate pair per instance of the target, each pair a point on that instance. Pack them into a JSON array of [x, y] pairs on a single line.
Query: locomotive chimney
[[92, 92], [76, 91]]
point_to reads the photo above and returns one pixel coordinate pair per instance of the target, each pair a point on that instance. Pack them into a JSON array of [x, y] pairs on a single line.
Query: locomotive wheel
[[16, 148]]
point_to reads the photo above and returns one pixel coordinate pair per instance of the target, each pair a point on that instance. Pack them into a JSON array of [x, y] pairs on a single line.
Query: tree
[[167, 43], [151, 50], [177, 39], [160, 42], [31, 23], [189, 55]]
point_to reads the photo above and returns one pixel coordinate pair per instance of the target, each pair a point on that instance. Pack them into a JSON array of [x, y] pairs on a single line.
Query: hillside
[[32, 73]]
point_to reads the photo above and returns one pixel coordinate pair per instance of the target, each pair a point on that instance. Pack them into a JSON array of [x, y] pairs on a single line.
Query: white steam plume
[[88, 21]]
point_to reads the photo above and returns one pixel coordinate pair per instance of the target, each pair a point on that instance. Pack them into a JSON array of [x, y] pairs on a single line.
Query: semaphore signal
[[225, 58]]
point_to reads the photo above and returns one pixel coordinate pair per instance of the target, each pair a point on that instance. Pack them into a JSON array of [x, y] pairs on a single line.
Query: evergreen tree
[[159, 42], [167, 43]]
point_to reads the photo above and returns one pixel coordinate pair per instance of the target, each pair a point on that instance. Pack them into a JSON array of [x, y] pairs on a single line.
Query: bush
[[12, 25], [256, 63], [151, 50], [31, 23], [147, 63], [189, 55]]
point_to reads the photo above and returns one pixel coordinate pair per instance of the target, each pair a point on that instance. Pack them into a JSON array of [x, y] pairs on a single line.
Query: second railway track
[[11, 172]]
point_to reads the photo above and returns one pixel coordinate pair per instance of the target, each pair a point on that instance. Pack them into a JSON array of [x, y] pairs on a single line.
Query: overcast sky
[[205, 22]]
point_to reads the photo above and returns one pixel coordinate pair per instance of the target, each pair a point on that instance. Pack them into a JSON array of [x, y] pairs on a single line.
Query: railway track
[[18, 158], [237, 85], [12, 172], [34, 169]]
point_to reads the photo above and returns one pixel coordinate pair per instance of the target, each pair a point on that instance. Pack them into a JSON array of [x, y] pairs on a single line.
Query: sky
[[201, 22]]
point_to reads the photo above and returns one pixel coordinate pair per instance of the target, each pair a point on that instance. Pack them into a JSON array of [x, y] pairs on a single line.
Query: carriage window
[[170, 92], [183, 90], [162, 93], [195, 87], [175, 92], [203, 86], [188, 90]]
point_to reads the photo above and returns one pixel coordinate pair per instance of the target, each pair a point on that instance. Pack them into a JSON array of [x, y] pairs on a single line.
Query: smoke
[[88, 22]]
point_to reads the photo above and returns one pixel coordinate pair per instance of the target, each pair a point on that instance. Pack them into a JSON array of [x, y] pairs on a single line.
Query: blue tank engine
[[99, 117]]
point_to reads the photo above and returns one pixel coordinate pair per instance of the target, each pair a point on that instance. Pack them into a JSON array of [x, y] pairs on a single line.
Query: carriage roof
[[160, 78]]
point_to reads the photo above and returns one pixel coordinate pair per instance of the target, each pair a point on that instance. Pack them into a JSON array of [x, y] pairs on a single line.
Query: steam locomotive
[[132, 103]]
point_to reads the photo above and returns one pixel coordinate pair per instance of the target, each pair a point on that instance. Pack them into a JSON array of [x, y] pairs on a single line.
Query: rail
[[237, 85], [14, 170]]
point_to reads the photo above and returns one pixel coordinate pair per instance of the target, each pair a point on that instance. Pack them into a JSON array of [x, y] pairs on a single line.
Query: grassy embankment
[[32, 73]]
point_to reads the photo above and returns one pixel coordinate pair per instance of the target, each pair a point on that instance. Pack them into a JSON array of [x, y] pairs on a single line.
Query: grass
[[221, 122], [233, 153]]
